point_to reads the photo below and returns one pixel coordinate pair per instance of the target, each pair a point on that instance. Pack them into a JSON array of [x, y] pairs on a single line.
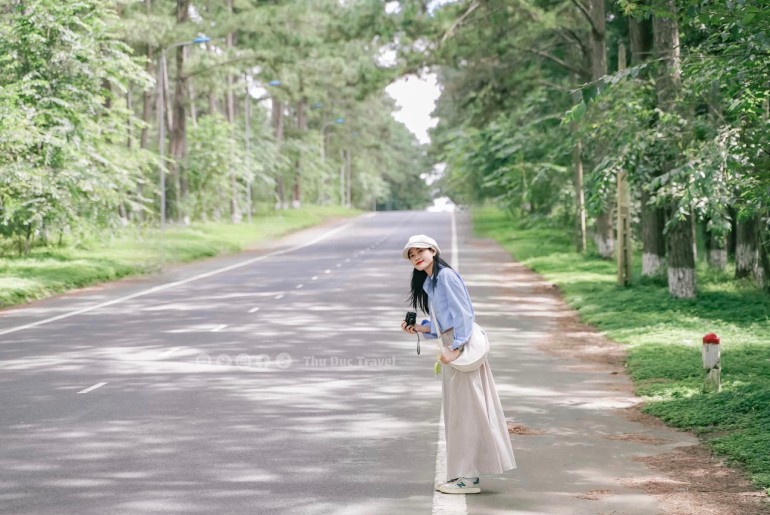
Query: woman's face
[[422, 259]]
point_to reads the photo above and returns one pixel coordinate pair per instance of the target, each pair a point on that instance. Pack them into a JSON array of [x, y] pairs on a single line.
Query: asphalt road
[[280, 386], [279, 381]]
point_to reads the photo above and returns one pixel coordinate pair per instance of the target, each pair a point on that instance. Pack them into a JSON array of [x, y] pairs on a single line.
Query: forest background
[[121, 117]]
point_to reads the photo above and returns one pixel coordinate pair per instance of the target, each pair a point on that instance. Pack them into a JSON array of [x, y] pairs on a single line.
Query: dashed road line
[[92, 388], [167, 286]]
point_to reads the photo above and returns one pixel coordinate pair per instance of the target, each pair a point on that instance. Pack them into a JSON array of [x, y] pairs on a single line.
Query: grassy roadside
[[51, 270], [663, 337]]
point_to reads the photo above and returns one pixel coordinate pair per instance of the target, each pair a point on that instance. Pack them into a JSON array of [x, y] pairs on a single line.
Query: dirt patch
[[639, 438], [594, 495], [686, 481], [521, 429], [574, 339], [703, 484], [634, 414]]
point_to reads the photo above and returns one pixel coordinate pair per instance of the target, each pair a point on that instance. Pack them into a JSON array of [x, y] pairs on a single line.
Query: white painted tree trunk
[[745, 257], [603, 237], [652, 265], [681, 283], [759, 275], [604, 245]]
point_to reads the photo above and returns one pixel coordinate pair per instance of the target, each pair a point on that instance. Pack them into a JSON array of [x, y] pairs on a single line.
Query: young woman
[[477, 440]]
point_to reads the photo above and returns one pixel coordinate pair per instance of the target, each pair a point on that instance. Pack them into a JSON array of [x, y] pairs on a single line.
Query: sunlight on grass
[[664, 335]]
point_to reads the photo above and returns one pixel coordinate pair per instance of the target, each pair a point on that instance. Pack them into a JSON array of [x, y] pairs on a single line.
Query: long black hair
[[417, 296]]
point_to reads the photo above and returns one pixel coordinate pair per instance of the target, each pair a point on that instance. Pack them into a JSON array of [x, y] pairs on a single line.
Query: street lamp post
[[161, 81], [247, 120]]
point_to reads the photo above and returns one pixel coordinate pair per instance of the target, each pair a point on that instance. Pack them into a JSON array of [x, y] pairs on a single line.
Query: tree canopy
[[135, 112]]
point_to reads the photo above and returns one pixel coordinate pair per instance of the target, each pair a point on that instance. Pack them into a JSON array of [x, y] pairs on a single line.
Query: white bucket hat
[[420, 241]]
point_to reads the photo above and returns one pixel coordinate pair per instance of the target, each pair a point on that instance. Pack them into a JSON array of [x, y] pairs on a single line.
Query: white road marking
[[92, 388], [300, 286], [218, 328], [279, 297], [253, 310], [327, 271], [175, 283], [445, 504], [314, 278]]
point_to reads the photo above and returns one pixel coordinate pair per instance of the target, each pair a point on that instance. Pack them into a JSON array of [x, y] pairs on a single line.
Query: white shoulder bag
[[475, 350]]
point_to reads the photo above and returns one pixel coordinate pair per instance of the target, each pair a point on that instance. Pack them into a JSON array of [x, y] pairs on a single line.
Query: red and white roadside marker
[[712, 363]]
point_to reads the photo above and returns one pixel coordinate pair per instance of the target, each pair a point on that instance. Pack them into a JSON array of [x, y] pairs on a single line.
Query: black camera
[[411, 318]]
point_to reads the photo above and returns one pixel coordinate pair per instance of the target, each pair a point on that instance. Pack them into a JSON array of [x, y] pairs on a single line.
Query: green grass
[[663, 336], [50, 270]]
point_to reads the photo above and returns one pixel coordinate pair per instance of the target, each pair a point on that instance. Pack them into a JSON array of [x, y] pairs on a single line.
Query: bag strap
[[433, 318]]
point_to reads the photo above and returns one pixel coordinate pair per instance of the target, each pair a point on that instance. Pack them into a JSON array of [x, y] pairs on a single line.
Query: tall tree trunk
[[349, 166], [652, 217], [235, 213], [764, 258], [580, 199], [640, 39], [653, 241], [147, 101], [277, 122], [746, 248], [179, 111], [603, 235], [183, 183], [129, 127], [716, 239], [301, 126], [598, 40], [717, 250], [681, 261], [668, 83], [147, 96], [144, 139], [191, 95], [213, 104]]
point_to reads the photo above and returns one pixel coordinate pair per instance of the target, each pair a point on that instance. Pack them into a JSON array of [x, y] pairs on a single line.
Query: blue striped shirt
[[452, 307]]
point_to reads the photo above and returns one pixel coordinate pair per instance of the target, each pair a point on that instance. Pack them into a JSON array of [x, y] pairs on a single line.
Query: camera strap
[[418, 343]]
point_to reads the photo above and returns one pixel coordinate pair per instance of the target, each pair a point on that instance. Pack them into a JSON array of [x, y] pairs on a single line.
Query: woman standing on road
[[477, 440]]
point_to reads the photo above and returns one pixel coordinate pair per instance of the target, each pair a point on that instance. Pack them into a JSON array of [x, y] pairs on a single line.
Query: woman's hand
[[412, 329], [448, 355]]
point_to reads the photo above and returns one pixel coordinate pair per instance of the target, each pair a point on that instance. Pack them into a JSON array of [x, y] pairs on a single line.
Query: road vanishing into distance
[[278, 380], [281, 384]]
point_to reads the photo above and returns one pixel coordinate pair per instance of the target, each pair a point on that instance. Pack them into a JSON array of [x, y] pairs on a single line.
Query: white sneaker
[[462, 485], [438, 486]]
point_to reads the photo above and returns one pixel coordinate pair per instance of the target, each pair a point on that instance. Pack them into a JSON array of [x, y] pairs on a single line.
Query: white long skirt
[[477, 439]]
